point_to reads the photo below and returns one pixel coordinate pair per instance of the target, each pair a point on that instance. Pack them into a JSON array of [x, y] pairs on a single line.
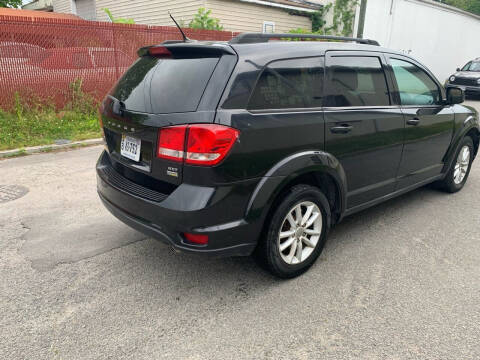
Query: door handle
[[414, 121], [342, 129]]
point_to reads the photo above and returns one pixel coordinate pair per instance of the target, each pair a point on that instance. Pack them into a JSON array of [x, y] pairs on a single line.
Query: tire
[[452, 183], [308, 246]]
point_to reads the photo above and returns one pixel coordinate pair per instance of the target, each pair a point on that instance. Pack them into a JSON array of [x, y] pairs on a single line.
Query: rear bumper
[[189, 208]]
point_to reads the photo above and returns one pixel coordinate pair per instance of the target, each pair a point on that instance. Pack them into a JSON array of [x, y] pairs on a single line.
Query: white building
[[440, 36]]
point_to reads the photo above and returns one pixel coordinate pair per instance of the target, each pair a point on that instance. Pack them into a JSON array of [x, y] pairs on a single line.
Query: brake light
[[202, 144], [196, 238], [159, 51], [208, 144], [171, 143]]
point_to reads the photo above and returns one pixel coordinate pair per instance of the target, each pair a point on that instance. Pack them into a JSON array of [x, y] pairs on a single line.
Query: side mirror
[[458, 69], [455, 95]]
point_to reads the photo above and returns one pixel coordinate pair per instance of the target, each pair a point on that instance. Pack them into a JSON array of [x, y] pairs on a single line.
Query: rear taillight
[[202, 144], [208, 144], [171, 143]]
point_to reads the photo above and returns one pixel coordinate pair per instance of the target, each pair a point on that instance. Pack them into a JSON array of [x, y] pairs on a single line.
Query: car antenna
[[185, 38]]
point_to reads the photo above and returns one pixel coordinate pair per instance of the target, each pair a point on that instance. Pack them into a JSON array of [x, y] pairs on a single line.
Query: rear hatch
[[168, 85]]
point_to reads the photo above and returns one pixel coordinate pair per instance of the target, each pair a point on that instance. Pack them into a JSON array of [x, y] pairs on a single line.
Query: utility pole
[[361, 19]]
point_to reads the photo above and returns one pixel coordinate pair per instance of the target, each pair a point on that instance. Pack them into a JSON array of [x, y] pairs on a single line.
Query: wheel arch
[[315, 168], [471, 131], [474, 133]]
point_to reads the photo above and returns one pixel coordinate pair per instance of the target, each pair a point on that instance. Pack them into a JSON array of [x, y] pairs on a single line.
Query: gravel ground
[[398, 281]]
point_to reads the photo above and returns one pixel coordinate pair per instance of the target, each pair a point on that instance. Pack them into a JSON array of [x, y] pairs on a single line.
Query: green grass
[[32, 122], [44, 127]]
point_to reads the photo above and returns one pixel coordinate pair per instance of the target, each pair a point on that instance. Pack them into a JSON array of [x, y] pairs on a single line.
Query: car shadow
[[241, 276]]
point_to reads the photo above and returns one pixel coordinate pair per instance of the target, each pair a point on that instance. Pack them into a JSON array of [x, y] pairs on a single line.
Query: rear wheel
[[296, 232], [458, 173]]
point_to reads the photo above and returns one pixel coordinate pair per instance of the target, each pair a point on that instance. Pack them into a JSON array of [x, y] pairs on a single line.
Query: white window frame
[[270, 24]]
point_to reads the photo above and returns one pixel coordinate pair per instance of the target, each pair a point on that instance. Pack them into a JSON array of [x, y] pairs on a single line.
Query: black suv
[[467, 78], [258, 146]]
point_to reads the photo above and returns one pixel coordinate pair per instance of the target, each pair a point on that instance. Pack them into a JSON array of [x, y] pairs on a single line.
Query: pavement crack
[[43, 266], [24, 226]]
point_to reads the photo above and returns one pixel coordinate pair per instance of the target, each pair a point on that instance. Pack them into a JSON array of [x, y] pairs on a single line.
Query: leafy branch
[[117, 20], [202, 20]]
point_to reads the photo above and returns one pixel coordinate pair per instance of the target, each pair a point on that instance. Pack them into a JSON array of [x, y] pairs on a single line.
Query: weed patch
[[32, 123]]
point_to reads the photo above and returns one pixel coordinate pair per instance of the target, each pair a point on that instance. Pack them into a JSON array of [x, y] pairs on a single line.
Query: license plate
[[130, 147]]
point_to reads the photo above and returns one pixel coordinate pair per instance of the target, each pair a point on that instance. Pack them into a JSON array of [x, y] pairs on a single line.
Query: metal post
[[361, 20]]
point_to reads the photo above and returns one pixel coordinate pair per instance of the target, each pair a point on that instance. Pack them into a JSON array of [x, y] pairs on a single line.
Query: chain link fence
[[42, 59]]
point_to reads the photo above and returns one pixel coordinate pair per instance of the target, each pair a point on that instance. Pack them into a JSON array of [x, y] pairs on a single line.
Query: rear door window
[[415, 86], [356, 81], [295, 83]]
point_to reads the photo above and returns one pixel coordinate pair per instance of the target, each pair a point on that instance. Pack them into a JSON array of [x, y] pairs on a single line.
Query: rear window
[[165, 85]]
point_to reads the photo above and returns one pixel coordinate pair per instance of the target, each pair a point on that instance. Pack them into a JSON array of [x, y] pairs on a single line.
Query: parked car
[[97, 68], [16, 53], [467, 78], [258, 147], [82, 58]]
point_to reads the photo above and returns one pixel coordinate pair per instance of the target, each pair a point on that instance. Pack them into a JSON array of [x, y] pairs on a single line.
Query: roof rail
[[250, 38]]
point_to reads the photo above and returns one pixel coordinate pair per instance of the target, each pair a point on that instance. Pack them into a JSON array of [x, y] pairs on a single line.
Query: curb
[[48, 148]]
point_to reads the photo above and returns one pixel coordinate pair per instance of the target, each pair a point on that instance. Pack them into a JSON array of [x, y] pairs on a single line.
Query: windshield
[[165, 85], [472, 66]]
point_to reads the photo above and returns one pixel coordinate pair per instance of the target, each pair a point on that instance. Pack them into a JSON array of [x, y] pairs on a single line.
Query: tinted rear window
[[165, 85], [178, 84]]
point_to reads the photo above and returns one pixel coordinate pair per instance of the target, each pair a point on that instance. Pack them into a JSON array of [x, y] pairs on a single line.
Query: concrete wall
[[441, 37]]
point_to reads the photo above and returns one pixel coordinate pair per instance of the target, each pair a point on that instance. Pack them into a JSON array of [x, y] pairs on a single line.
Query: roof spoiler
[[181, 48], [251, 38]]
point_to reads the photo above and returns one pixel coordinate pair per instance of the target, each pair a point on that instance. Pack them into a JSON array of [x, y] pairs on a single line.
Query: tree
[[117, 20], [468, 5], [10, 3], [202, 20]]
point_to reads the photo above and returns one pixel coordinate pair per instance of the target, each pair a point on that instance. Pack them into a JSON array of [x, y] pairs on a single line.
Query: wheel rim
[[461, 167], [300, 232]]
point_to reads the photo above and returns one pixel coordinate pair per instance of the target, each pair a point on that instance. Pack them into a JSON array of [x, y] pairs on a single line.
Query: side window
[[415, 86], [467, 66], [296, 83], [356, 81]]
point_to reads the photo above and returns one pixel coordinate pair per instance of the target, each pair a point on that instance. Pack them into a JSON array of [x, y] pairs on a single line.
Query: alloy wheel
[[300, 232], [461, 167]]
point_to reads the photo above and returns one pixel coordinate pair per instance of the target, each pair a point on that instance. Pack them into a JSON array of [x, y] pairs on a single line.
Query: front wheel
[[296, 232], [457, 176]]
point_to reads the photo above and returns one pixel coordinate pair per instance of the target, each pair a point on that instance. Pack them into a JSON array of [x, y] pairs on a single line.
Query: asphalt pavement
[[397, 281]]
